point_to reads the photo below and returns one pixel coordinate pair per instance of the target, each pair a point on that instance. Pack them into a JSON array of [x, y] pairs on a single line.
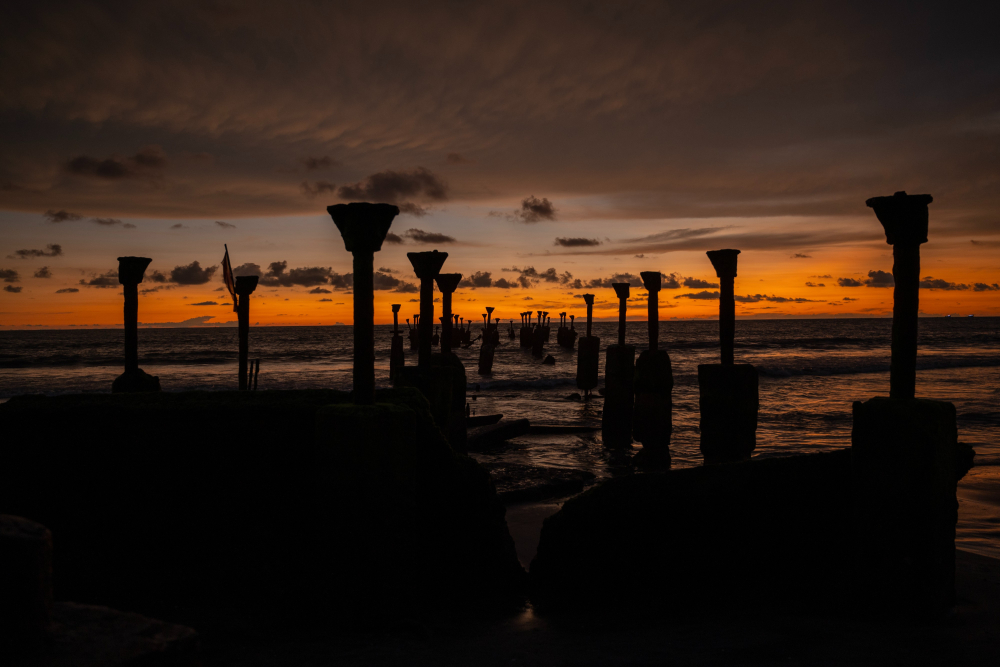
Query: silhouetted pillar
[[724, 262], [426, 265], [363, 227], [130, 274], [588, 354], [447, 283], [245, 286], [396, 358], [904, 452], [654, 385], [25, 584], [619, 382]]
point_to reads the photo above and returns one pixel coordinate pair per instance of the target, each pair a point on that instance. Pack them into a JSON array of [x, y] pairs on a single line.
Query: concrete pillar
[[130, 274], [245, 286], [396, 358], [654, 385], [25, 584], [588, 354], [724, 262], [427, 265], [447, 283], [619, 383], [363, 227]]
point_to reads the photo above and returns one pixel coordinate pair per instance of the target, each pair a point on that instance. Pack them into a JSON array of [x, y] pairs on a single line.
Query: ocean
[[810, 373]]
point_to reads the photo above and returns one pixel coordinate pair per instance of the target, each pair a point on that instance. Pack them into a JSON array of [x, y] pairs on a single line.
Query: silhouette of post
[[654, 385], [905, 220], [729, 397], [396, 358], [130, 274], [447, 283], [363, 227], [588, 353], [488, 347], [905, 452], [427, 265], [619, 383], [724, 262], [245, 286]]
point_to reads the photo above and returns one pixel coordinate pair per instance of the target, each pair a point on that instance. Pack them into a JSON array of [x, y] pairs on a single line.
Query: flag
[[227, 277]]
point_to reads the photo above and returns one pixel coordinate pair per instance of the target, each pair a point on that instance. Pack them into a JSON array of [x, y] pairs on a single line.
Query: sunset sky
[[550, 148]]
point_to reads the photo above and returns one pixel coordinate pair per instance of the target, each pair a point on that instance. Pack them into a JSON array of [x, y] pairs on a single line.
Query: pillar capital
[[245, 285], [395, 307], [621, 289], [448, 282], [588, 299], [904, 217], [650, 280], [724, 262], [131, 269], [363, 226], [427, 265]]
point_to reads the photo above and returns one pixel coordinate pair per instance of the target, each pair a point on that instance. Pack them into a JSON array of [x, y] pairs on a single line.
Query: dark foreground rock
[[519, 482], [212, 506]]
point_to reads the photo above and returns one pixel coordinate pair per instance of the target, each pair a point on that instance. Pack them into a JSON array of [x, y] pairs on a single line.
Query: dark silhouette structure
[[134, 379], [427, 265], [396, 358], [447, 283], [363, 227], [538, 336], [245, 286], [619, 382], [490, 341], [588, 354], [906, 458], [728, 398], [654, 386]]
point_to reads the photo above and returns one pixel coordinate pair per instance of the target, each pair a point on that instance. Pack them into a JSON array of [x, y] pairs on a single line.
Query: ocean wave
[[541, 383], [850, 366]]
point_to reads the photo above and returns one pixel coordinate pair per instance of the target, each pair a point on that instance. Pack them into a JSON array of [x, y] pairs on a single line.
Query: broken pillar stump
[[396, 358], [619, 390], [588, 354], [729, 402], [903, 457], [25, 583], [653, 423]]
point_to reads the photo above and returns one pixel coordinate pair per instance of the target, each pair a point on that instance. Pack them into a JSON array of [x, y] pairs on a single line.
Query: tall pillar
[[447, 283], [134, 379], [904, 453], [654, 385], [729, 397], [363, 227], [427, 265], [396, 359], [588, 353], [245, 286], [619, 382]]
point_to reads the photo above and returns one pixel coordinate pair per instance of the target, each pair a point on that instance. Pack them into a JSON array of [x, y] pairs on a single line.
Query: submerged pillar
[[245, 286], [729, 397], [134, 379], [396, 358], [363, 227], [905, 453], [653, 423], [588, 354], [619, 382]]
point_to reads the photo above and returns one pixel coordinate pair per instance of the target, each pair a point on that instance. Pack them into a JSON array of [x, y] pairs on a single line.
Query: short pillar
[[588, 354], [619, 383], [245, 286], [729, 397], [134, 379], [653, 423], [396, 358], [363, 227], [25, 583]]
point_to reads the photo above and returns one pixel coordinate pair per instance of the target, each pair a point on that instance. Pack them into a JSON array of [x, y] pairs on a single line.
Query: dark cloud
[[983, 287], [534, 210], [12, 289], [879, 279], [320, 290], [409, 208], [204, 303], [106, 222], [457, 158], [548, 275], [317, 163], [43, 272], [10, 276], [849, 282], [51, 250], [192, 274], [825, 276], [698, 295], [939, 284], [394, 187], [503, 283], [384, 281], [633, 280], [754, 298], [157, 277], [576, 242], [148, 162], [109, 279], [671, 281], [341, 280], [178, 226], [698, 283], [385, 270], [67, 290], [478, 279], [319, 187], [810, 284], [322, 300], [225, 225], [393, 239], [61, 216], [248, 269], [420, 236], [276, 276], [799, 255]]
